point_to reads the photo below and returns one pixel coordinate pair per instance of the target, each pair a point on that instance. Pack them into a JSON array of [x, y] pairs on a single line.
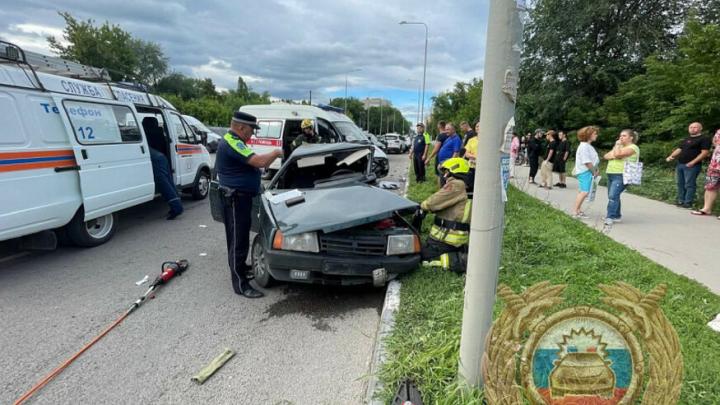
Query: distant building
[[375, 102]]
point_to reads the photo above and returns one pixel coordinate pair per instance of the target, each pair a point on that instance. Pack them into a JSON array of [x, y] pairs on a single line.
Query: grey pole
[[422, 107], [381, 106], [502, 60], [346, 86]]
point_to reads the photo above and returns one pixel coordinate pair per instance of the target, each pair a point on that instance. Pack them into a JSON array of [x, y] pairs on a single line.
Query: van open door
[[111, 153]]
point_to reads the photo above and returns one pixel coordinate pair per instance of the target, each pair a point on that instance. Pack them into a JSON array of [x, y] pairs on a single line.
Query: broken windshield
[[350, 132], [313, 170]]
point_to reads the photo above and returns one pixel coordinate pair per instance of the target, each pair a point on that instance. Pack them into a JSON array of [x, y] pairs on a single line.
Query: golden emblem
[[582, 355]]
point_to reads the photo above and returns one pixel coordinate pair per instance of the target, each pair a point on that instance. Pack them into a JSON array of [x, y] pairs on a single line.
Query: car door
[[186, 149], [111, 151]]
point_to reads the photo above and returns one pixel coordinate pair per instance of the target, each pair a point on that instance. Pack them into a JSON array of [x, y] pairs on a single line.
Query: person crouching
[[450, 232]]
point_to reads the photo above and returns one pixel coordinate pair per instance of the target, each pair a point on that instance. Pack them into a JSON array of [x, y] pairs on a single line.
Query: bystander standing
[[712, 179], [586, 167], [689, 154]]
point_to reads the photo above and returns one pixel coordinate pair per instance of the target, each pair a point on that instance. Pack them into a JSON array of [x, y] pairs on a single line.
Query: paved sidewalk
[[670, 236]]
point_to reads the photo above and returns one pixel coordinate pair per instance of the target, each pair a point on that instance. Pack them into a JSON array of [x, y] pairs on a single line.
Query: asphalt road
[[298, 345]]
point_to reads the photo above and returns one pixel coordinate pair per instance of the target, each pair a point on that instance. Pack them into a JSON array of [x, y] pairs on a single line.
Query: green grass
[[542, 244]]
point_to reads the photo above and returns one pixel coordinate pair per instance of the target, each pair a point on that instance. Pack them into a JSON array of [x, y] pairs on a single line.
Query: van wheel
[[202, 186], [260, 268], [93, 232]]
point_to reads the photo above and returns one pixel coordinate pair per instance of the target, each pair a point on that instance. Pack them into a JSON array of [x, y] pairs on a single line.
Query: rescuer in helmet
[[307, 136]]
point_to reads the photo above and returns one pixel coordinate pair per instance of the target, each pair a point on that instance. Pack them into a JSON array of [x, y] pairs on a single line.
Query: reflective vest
[[452, 232]]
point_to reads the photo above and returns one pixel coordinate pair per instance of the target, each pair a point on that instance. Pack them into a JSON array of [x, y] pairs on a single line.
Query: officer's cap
[[245, 118]]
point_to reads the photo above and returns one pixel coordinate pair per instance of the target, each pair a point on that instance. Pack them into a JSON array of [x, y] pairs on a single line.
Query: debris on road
[[389, 185], [143, 281], [214, 365], [202, 226], [203, 254]]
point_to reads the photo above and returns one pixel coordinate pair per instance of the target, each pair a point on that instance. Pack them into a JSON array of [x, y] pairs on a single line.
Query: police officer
[[307, 136], [238, 170], [449, 234], [419, 150]]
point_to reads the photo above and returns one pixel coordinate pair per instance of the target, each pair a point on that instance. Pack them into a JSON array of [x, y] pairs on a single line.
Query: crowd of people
[[547, 153]]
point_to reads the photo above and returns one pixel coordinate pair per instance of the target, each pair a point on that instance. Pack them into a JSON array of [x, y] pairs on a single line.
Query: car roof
[[292, 111]]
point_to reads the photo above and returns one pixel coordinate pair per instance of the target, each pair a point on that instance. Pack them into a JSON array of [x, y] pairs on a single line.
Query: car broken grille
[[363, 245]]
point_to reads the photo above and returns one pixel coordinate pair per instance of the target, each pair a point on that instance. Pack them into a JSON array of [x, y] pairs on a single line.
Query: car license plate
[[299, 274]]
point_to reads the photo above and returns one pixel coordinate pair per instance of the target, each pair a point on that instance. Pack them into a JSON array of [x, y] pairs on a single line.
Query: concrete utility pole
[[502, 60]]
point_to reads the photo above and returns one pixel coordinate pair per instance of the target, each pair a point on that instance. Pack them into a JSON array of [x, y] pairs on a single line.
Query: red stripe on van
[[265, 142]]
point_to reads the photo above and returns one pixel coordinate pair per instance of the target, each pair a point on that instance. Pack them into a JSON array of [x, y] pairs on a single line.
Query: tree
[[110, 47], [578, 53], [152, 64], [107, 46]]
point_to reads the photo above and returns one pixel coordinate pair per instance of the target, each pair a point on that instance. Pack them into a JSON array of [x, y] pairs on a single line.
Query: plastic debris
[[389, 185], [202, 226], [715, 324], [214, 365], [143, 281], [203, 254]]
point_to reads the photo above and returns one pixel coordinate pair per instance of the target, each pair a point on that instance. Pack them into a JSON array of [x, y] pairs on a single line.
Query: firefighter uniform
[[241, 183], [305, 137], [449, 234]]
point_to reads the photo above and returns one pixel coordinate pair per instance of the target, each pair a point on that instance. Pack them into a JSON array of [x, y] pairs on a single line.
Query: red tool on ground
[[169, 270]]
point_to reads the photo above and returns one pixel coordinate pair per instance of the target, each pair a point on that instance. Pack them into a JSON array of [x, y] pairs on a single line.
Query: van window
[[96, 123], [269, 129], [183, 131], [47, 118]]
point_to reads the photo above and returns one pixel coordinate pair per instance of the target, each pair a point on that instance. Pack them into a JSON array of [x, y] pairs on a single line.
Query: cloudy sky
[[288, 47]]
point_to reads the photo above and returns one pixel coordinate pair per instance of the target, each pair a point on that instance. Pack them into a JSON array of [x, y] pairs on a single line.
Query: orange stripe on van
[[44, 153], [31, 166]]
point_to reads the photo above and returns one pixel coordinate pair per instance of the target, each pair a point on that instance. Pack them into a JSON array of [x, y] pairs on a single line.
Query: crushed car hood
[[334, 209]]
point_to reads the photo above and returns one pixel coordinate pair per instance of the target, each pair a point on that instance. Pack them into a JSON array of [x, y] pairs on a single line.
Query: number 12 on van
[[86, 132]]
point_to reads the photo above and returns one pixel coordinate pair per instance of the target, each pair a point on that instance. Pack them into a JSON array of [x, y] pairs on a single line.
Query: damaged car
[[320, 220]]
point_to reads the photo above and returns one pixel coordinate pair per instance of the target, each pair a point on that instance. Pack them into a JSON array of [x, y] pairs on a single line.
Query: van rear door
[[114, 159], [267, 138]]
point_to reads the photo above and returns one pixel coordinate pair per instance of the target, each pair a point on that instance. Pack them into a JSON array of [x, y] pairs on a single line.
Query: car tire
[[202, 185], [260, 267], [91, 233]]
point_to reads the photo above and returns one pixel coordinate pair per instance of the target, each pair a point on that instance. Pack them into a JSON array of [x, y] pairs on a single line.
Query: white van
[[280, 124], [73, 152]]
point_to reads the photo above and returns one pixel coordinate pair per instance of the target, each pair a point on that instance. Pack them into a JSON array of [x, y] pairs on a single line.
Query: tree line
[[647, 65]]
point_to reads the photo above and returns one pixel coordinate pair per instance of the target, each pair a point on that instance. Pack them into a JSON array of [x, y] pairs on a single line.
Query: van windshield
[[350, 132]]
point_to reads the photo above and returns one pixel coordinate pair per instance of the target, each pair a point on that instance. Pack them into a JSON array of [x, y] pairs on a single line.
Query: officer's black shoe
[[248, 291]]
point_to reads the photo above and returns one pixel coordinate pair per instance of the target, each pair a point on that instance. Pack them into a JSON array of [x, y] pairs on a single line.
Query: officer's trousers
[[419, 166], [237, 212]]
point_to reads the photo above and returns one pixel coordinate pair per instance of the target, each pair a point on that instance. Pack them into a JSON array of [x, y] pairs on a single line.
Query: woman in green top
[[624, 150]]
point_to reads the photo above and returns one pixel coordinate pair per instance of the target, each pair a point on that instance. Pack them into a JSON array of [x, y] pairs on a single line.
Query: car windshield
[[321, 169], [391, 137], [350, 131]]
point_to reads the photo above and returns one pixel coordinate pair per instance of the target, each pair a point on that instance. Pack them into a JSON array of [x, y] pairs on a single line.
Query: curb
[[387, 323]]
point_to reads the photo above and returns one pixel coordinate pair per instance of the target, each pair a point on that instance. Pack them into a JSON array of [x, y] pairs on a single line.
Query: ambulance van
[[73, 151], [280, 125]]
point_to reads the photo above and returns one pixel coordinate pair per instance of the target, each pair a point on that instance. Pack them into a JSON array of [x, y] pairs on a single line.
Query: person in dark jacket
[[534, 153]]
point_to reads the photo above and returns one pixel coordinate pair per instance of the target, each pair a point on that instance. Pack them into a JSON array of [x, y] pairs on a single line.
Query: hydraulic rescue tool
[[168, 271]]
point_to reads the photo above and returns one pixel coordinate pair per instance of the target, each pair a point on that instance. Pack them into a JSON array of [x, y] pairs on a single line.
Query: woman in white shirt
[[586, 166]]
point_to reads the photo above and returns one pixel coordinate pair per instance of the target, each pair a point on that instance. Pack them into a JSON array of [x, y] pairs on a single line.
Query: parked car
[[376, 142], [394, 143], [214, 138], [320, 221], [406, 142]]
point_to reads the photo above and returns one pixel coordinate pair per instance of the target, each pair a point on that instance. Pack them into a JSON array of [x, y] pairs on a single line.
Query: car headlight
[[302, 242], [403, 244]]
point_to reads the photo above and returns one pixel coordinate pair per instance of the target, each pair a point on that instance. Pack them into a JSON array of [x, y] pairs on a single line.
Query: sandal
[[699, 212]]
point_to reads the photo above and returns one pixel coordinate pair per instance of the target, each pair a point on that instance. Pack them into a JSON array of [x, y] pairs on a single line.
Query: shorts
[[712, 181], [559, 166], [585, 179]]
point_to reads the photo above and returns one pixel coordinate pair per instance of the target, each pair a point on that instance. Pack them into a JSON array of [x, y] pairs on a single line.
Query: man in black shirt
[[535, 150], [690, 153], [468, 134]]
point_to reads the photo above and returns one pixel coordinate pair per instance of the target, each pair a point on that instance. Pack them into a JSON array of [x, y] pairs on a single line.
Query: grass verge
[[541, 244]]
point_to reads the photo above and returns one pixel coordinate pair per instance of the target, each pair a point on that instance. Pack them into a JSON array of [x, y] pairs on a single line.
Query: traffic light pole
[[502, 61]]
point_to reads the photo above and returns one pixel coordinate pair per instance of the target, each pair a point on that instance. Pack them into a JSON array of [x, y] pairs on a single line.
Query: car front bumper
[[346, 270]]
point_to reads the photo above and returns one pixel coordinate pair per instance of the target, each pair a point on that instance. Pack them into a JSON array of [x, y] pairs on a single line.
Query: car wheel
[[260, 268], [93, 232], [202, 186]]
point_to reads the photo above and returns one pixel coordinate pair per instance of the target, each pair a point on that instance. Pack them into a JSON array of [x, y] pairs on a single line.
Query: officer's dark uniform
[[418, 148], [234, 172]]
